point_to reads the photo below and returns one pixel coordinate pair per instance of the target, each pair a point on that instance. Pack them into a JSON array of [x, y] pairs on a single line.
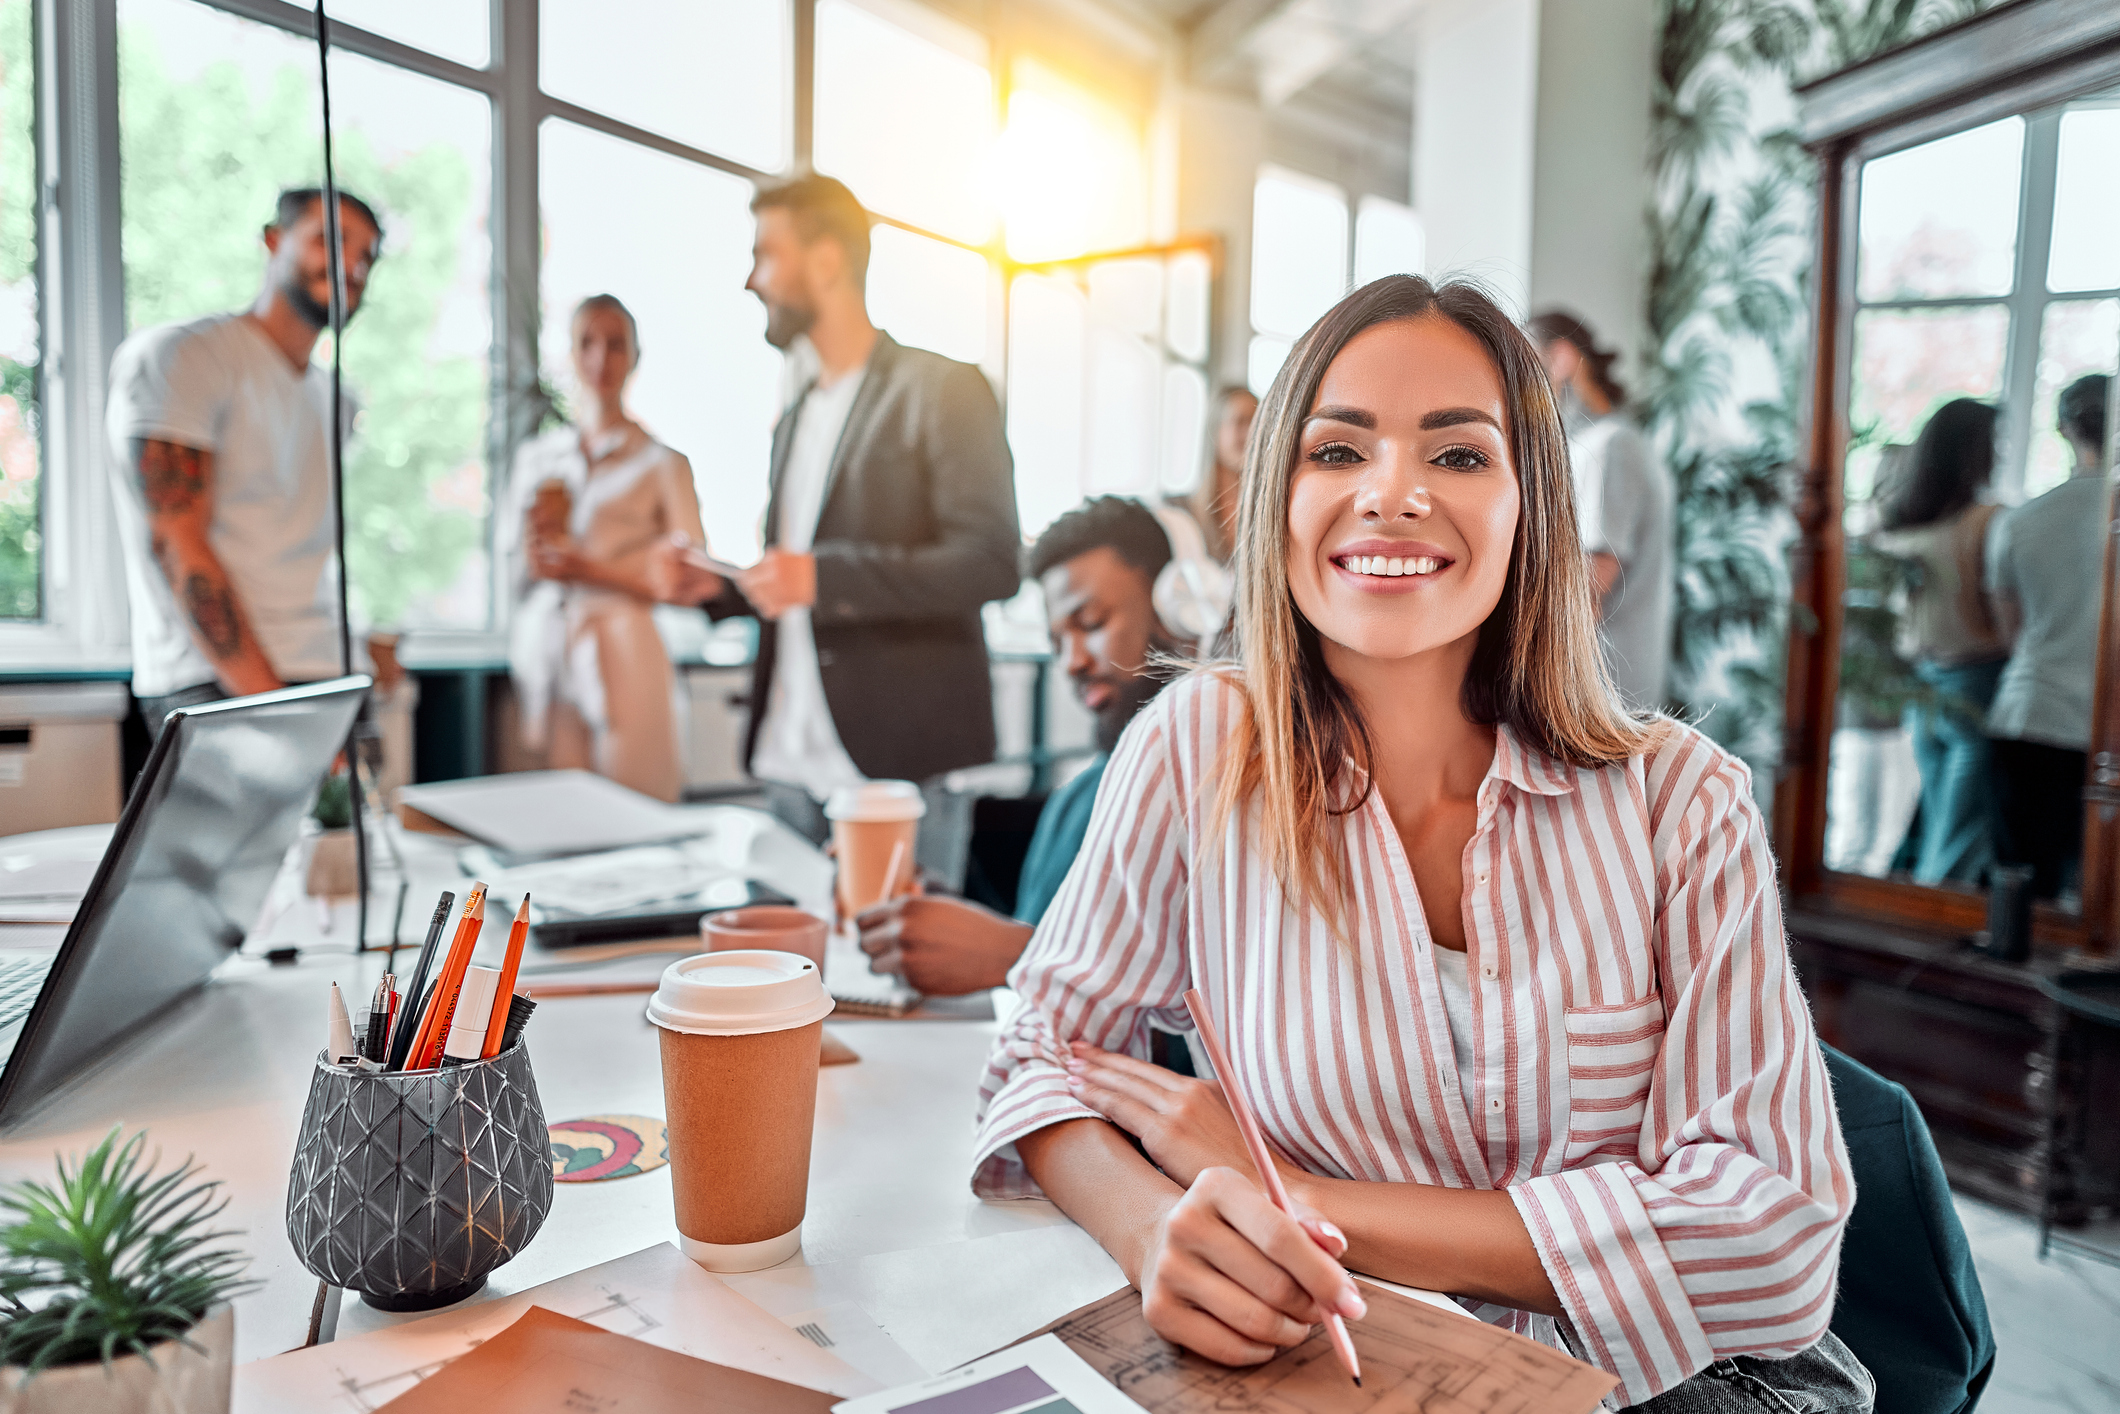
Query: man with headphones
[[1097, 565]]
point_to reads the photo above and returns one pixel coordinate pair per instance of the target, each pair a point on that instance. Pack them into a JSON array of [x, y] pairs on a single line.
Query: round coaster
[[607, 1146]]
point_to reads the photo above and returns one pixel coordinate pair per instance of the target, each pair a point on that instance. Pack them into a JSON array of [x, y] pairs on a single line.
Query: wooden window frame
[[2011, 60]]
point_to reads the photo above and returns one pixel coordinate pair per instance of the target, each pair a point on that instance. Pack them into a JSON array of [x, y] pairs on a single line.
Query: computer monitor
[[202, 836]]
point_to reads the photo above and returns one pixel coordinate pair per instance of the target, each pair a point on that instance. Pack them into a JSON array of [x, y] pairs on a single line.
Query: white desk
[[889, 1172]]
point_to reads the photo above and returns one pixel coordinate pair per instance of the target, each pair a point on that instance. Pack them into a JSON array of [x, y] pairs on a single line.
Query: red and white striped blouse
[[1649, 1091]]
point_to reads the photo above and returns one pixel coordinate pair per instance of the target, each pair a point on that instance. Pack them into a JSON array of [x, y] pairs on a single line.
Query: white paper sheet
[[1029, 1377], [655, 1295], [946, 1304]]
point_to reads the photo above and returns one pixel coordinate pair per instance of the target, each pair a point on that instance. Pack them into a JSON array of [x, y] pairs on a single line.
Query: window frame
[[2013, 59], [81, 282], [2028, 298]]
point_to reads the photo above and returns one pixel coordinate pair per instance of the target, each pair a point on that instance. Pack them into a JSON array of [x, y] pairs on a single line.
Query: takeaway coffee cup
[[869, 821], [768, 926], [740, 1033]]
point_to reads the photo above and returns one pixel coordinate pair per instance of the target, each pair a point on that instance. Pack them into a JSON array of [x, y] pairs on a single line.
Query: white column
[[1474, 111], [1590, 174]]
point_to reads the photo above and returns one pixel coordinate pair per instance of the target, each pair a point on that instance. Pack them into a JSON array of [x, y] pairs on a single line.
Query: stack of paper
[[654, 1295]]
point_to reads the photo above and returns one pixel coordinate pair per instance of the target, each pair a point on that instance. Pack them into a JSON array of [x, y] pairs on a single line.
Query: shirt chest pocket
[[1612, 1053]]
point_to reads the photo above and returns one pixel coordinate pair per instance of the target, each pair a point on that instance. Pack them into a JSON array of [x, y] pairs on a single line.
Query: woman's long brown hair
[[1535, 667]]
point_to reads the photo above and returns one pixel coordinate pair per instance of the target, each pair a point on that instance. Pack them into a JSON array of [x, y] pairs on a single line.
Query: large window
[[216, 114], [672, 239], [1985, 270], [1013, 232], [1302, 243], [21, 533]]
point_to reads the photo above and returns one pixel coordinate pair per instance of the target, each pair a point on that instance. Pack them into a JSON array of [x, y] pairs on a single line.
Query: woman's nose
[[1395, 488]]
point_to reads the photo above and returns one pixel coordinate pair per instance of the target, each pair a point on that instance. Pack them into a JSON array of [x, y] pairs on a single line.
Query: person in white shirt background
[[2042, 566], [219, 429], [1624, 503]]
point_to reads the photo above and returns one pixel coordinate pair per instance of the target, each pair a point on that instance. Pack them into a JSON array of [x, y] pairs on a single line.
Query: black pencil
[[401, 1036]]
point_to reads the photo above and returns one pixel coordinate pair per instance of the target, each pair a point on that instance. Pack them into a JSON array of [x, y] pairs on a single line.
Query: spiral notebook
[[858, 991]]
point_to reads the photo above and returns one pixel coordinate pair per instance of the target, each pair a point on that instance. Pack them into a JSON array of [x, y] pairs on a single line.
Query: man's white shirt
[[798, 744], [220, 385]]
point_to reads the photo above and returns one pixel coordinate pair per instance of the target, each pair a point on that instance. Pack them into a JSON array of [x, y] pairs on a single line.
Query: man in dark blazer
[[892, 519]]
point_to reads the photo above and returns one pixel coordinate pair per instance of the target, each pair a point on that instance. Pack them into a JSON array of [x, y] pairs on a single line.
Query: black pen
[[407, 1023], [373, 1046]]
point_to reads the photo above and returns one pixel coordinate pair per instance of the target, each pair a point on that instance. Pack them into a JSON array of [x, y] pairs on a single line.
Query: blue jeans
[[1826, 1379], [1953, 833]]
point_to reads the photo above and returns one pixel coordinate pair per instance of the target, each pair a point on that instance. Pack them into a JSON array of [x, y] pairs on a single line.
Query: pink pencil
[[1261, 1157]]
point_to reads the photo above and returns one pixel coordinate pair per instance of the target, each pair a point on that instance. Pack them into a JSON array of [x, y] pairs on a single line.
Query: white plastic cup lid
[[742, 992], [876, 801]]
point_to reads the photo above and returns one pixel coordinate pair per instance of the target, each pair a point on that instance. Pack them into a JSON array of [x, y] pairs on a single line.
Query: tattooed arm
[[177, 484]]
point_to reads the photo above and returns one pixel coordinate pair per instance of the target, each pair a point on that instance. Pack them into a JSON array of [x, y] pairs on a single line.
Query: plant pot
[[333, 869], [410, 1187], [178, 1380]]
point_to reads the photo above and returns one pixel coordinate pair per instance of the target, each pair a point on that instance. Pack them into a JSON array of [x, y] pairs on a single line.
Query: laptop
[[202, 836]]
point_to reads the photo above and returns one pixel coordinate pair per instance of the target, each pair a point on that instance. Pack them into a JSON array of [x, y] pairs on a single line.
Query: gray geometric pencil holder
[[410, 1187]]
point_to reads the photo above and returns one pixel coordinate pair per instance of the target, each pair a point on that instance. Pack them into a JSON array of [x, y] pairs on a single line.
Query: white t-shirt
[[797, 743], [1623, 504], [1454, 970], [2047, 555], [220, 385]]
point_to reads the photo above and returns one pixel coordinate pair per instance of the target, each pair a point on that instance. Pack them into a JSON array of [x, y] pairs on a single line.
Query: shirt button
[[1495, 1105], [1479, 878], [1488, 971]]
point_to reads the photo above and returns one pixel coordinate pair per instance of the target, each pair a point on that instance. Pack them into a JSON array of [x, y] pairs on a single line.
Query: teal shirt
[[1057, 840]]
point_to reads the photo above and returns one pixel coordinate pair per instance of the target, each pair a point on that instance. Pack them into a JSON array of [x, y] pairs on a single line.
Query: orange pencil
[[506, 986], [434, 1024]]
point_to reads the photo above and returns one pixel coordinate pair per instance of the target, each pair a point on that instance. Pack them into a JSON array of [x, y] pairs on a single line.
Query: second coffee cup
[[740, 1033], [771, 926], [872, 822]]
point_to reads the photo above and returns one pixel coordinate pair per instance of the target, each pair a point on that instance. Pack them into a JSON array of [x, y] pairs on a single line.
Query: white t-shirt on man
[[220, 385], [798, 743]]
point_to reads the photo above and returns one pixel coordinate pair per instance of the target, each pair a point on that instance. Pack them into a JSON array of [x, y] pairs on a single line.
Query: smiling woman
[[1407, 410], [1503, 967]]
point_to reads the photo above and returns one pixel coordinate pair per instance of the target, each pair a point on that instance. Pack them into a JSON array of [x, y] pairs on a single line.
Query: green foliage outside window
[[203, 159], [21, 534]]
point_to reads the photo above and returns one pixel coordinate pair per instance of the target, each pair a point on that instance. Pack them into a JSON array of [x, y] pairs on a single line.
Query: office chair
[[1910, 1305]]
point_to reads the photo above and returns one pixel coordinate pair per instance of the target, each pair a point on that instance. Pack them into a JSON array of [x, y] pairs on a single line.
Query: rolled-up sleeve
[[1721, 1234], [1108, 954]]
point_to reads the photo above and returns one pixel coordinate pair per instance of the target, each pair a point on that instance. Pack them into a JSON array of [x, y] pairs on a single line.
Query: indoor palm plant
[[114, 1288]]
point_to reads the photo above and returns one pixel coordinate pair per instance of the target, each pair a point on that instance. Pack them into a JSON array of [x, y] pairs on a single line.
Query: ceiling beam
[[1215, 50]]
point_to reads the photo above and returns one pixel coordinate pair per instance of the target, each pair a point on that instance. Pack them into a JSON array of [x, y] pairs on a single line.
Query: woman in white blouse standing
[[1500, 967], [593, 680]]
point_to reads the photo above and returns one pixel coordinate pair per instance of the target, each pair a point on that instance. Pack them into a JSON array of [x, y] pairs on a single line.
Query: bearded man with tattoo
[[219, 430]]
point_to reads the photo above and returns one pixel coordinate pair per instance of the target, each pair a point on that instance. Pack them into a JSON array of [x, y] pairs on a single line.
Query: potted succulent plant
[[330, 869], [114, 1289]]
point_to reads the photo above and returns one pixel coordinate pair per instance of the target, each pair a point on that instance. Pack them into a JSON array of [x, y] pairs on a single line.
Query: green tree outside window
[[201, 161]]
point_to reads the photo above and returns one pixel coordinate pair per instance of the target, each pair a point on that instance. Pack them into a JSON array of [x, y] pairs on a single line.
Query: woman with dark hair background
[[1623, 502], [1931, 515]]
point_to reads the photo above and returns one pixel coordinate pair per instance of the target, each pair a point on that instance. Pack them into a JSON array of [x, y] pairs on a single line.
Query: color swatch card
[[1040, 1376]]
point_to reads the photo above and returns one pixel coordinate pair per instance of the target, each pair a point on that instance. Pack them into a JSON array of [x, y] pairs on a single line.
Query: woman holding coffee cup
[[590, 500], [1500, 967]]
